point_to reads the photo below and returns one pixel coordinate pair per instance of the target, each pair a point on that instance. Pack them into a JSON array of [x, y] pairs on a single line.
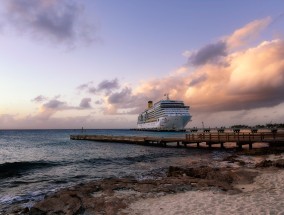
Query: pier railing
[[272, 138], [233, 137]]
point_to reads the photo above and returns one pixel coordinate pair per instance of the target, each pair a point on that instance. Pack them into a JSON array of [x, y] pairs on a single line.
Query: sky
[[96, 63]]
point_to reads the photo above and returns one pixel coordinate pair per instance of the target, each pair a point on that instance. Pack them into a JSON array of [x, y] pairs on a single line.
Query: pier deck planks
[[274, 139]]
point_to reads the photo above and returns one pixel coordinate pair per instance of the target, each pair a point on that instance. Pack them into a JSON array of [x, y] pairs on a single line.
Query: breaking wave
[[18, 168]]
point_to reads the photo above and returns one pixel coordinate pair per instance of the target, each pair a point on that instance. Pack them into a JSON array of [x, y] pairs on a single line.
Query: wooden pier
[[240, 139], [207, 138]]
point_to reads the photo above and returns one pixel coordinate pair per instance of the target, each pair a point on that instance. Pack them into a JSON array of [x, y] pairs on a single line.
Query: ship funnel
[[150, 104]]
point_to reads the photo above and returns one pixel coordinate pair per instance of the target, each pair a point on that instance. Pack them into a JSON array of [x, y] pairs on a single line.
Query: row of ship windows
[[158, 116], [158, 112], [166, 112], [153, 118], [171, 109]]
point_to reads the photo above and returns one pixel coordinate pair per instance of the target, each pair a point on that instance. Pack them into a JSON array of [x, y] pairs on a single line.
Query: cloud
[[121, 97], [247, 33], [209, 53], [215, 52], [88, 121], [84, 86], [85, 103], [52, 106], [198, 80], [56, 20], [248, 83], [253, 79], [99, 102], [55, 104], [251, 117], [106, 86], [124, 99], [248, 78], [129, 101], [257, 75], [39, 99]]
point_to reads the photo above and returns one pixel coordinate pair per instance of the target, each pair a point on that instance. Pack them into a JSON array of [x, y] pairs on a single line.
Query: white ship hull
[[167, 123]]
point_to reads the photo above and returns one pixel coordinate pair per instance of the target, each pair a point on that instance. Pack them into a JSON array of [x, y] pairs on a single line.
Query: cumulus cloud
[[215, 52], [84, 86], [39, 99], [247, 33], [197, 80], [50, 107], [54, 105], [99, 102], [254, 78], [105, 86], [108, 85], [258, 74], [209, 53], [71, 122], [247, 78], [120, 97], [129, 101], [55, 20], [85, 103], [124, 99]]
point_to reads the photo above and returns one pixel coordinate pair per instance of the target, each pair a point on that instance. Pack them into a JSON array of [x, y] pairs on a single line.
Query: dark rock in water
[[279, 163], [18, 210], [263, 151], [233, 159], [265, 163], [268, 163]]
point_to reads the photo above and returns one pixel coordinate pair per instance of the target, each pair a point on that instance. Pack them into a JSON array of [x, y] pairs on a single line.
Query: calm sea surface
[[36, 162]]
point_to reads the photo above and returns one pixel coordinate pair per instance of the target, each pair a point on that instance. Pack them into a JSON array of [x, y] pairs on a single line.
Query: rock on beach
[[115, 195], [109, 196]]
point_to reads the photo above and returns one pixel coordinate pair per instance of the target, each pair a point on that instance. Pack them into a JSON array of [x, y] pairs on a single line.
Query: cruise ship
[[165, 115]]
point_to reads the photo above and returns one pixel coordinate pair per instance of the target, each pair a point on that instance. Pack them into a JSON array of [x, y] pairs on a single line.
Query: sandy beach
[[264, 196], [237, 184]]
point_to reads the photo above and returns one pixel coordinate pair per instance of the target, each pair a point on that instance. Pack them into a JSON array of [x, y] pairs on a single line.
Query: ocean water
[[36, 162]]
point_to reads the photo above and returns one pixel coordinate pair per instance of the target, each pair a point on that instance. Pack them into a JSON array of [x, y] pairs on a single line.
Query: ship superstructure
[[165, 115]]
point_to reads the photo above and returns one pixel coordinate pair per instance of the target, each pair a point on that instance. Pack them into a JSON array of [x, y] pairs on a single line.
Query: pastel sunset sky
[[96, 63]]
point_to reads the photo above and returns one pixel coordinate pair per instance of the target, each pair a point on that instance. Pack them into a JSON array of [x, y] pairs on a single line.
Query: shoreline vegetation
[[269, 125], [243, 126], [236, 176]]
